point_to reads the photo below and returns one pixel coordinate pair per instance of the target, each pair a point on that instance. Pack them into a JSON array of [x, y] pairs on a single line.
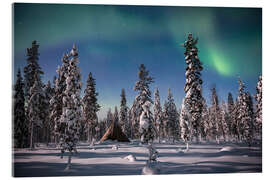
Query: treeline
[[56, 112]]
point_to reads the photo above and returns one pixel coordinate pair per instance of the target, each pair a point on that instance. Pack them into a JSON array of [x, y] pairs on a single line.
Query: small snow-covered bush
[[151, 168], [115, 147], [226, 148], [130, 158]]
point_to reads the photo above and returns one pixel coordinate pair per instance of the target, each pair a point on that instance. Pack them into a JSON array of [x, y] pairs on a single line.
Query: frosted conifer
[[32, 70], [142, 86], [204, 123], [20, 125], [91, 107], [171, 117], [48, 92], [56, 102], [193, 102], [36, 111], [231, 115], [123, 117], [245, 116], [158, 116], [258, 113], [215, 115], [224, 121], [115, 115], [109, 118], [147, 129], [72, 106]]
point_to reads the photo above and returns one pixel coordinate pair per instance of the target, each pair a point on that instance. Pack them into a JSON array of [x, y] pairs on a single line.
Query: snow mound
[[180, 151], [115, 147], [130, 158], [226, 149], [151, 168]]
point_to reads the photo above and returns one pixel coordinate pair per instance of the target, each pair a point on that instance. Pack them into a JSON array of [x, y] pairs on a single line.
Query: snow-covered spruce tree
[[20, 124], [56, 102], [258, 112], [109, 118], [204, 123], [158, 121], [231, 116], [91, 107], [245, 116], [171, 117], [185, 124], [31, 69], [116, 115], [48, 92], [36, 111], [142, 86], [72, 106], [130, 116], [193, 102], [224, 121], [147, 129], [123, 117], [215, 115], [251, 114]]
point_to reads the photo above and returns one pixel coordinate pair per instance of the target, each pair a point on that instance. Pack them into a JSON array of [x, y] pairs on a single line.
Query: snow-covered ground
[[130, 159]]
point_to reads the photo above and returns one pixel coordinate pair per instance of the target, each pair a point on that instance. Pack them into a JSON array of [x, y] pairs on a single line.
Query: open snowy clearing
[[130, 159]]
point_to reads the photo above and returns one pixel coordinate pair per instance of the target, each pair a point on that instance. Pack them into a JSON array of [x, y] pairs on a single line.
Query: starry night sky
[[114, 40]]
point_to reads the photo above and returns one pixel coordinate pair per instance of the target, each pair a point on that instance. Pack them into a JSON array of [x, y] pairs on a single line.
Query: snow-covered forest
[[55, 124]]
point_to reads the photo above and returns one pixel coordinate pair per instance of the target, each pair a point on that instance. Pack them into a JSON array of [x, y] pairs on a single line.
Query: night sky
[[114, 40]]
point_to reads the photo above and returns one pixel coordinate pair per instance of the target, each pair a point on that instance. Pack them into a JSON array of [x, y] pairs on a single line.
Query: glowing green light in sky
[[221, 64]]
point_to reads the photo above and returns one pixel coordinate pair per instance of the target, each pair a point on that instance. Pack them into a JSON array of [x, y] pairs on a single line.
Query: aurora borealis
[[114, 40]]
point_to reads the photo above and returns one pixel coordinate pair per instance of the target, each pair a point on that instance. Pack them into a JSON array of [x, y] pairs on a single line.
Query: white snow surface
[[201, 158]]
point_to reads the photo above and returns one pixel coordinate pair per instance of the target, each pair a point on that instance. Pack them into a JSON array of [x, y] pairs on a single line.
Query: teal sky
[[114, 40]]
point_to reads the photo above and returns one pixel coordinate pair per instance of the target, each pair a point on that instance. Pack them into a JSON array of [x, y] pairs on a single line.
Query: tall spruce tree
[[20, 124], [91, 107], [258, 112], [158, 120], [56, 102], [32, 70], [48, 92], [72, 106], [171, 117], [142, 86], [245, 116], [216, 115], [109, 118], [123, 117], [193, 101], [35, 110], [231, 115], [204, 123], [224, 121]]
